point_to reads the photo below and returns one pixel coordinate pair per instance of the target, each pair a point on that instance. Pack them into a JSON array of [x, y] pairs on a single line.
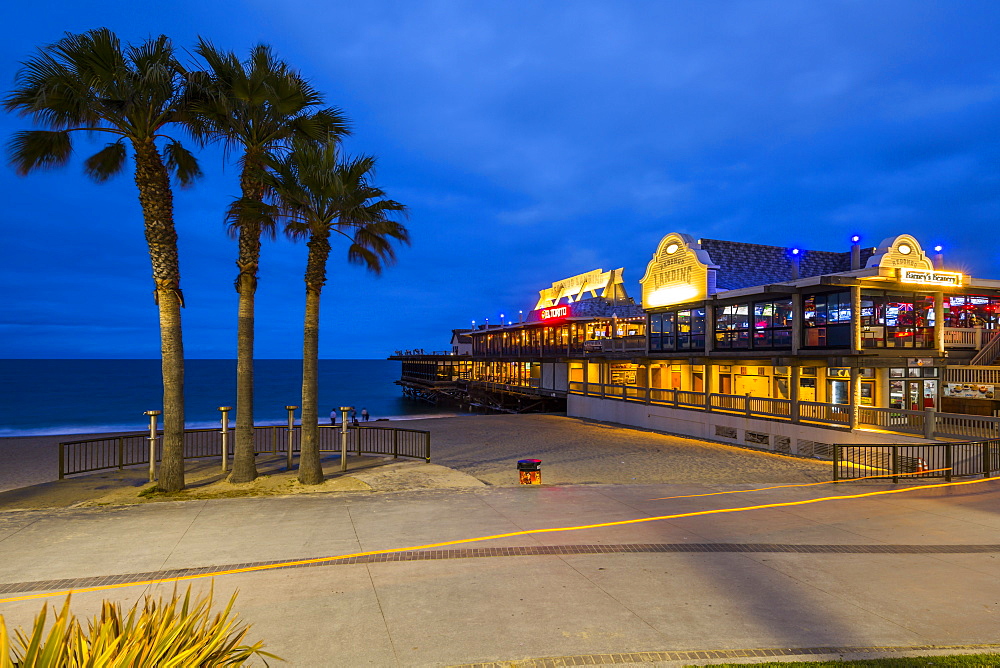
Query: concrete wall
[[554, 376], [778, 436]]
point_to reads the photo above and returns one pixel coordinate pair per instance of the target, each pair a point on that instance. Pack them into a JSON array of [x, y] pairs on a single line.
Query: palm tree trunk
[[156, 199], [244, 464], [244, 460], [310, 470]]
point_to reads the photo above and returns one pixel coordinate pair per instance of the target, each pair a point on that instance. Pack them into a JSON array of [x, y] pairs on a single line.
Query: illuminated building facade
[[522, 363], [779, 348], [868, 341]]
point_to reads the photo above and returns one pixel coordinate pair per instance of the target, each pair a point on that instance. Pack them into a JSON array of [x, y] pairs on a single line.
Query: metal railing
[[931, 460], [119, 452]]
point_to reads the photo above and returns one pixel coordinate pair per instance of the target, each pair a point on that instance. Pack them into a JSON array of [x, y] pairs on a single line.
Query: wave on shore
[[61, 430]]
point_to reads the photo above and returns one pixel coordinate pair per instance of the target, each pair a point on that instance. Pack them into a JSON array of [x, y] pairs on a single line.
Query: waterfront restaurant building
[[775, 347], [522, 363]]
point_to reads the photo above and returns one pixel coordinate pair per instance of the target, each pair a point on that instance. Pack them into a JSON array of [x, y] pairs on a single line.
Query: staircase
[[989, 353]]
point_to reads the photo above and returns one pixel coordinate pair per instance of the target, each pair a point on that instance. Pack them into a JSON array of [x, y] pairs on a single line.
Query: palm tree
[[319, 195], [256, 106], [89, 82]]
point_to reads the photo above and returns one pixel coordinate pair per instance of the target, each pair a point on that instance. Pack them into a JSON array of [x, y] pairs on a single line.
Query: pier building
[[787, 349]]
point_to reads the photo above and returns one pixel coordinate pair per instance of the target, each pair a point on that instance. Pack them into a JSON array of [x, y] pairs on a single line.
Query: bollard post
[[152, 443], [291, 432], [225, 436], [343, 437], [929, 419]]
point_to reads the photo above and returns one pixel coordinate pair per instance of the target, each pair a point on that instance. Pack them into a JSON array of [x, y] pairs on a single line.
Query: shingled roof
[[743, 265]]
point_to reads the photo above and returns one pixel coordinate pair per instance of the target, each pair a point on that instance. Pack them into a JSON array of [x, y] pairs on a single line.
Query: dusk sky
[[531, 141]]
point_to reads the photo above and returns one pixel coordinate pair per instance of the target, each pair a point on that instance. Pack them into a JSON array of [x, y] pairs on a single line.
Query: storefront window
[[826, 320], [896, 321]]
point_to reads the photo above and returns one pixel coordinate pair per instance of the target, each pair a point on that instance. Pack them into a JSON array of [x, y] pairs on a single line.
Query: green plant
[[159, 635]]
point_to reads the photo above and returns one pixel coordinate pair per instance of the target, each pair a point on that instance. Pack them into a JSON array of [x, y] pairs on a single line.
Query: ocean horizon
[[82, 396]]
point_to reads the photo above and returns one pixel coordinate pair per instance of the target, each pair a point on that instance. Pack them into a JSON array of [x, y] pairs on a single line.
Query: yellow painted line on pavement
[[319, 560], [801, 484]]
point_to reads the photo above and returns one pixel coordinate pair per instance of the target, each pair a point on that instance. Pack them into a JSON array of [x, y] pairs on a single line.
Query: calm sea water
[[83, 396]]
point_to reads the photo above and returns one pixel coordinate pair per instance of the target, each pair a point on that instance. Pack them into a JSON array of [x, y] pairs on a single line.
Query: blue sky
[[532, 141]]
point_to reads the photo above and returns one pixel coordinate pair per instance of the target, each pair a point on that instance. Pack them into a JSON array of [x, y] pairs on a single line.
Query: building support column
[[797, 316], [707, 381], [855, 394], [856, 319], [709, 327], [793, 393], [939, 322]]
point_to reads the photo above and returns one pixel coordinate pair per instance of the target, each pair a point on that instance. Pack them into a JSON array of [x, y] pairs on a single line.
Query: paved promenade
[[899, 571]]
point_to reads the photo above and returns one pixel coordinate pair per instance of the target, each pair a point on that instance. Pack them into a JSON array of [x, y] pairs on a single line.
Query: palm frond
[[245, 212], [106, 163], [182, 163], [39, 149]]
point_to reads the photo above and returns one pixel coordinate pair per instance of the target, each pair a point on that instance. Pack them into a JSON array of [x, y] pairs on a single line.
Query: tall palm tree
[[255, 106], [321, 196], [90, 82]]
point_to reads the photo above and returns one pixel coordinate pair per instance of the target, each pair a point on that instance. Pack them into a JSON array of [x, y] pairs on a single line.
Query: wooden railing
[[989, 352]]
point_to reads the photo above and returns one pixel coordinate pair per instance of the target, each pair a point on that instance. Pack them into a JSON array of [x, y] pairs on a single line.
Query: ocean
[[84, 396]]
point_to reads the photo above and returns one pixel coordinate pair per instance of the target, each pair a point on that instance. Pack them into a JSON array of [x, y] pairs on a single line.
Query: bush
[[161, 635]]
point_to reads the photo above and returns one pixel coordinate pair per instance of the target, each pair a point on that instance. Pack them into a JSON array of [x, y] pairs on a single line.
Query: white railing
[[971, 426], [896, 420], [966, 337], [989, 352], [987, 375], [811, 411], [892, 419]]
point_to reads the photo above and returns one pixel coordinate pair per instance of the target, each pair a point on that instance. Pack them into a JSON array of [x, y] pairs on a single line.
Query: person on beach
[[333, 416], [354, 417], [364, 414]]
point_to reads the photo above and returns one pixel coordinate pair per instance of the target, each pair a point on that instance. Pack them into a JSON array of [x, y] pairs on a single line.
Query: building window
[[964, 311], [677, 330], [896, 321], [732, 327], [772, 324], [826, 320]]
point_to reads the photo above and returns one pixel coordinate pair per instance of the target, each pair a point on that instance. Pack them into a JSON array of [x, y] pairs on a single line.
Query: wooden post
[[939, 322], [797, 316], [856, 319], [793, 393]]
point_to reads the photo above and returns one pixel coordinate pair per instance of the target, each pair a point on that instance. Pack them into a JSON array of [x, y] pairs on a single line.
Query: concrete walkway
[[897, 571]]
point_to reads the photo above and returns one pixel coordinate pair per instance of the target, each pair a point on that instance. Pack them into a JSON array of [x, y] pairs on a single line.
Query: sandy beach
[[487, 447]]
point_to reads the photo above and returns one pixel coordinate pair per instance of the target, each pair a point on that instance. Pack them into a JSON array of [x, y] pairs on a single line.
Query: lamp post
[[291, 432], [225, 436], [152, 443], [343, 437]]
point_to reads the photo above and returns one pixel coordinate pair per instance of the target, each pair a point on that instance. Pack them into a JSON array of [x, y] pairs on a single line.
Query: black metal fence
[[118, 452], [931, 460]]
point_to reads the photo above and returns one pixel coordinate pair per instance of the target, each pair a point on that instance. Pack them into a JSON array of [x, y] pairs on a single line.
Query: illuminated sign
[[900, 252], [677, 273], [599, 283], [554, 312], [930, 277]]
